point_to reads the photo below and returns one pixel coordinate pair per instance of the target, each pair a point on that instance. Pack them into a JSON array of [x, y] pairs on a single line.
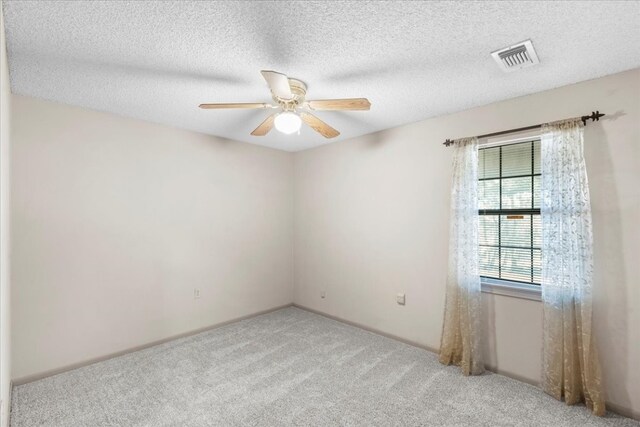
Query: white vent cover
[[512, 58]]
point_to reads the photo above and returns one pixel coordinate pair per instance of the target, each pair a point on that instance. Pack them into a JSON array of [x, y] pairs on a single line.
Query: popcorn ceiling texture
[[158, 60], [287, 368]]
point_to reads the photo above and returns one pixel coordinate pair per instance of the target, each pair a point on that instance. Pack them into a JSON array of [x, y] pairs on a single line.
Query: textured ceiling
[[158, 60]]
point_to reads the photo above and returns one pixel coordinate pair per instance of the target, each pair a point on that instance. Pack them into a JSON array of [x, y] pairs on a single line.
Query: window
[[510, 227]]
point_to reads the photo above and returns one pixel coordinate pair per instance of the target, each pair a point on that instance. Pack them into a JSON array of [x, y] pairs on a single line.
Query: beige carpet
[[287, 368]]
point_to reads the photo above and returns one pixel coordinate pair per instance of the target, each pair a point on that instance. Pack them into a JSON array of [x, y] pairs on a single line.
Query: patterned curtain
[[570, 359], [461, 335]]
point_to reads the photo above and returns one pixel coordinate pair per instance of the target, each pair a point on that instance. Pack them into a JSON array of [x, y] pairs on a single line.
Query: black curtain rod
[[594, 116]]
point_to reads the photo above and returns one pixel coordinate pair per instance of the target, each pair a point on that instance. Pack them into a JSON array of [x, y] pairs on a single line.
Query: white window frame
[[501, 286]]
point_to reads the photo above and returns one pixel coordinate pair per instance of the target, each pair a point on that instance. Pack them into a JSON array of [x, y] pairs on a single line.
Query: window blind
[[509, 203]]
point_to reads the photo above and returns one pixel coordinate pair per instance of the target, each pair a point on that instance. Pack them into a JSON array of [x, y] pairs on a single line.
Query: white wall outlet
[[323, 294], [400, 299], [196, 293]]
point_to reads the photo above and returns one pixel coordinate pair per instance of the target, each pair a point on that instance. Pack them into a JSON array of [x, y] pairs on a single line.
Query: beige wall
[[115, 221], [5, 333], [372, 216]]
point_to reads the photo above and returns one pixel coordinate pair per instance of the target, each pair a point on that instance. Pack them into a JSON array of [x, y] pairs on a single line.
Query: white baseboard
[[627, 412], [612, 407], [367, 328], [49, 373]]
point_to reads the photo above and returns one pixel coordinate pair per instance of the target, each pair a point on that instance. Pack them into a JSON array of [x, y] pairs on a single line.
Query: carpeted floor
[[287, 368]]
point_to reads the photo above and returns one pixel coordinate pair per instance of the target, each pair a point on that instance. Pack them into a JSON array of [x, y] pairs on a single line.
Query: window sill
[[511, 289]]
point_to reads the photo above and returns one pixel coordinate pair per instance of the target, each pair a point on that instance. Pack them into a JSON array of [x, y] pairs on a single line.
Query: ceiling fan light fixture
[[290, 94], [288, 122]]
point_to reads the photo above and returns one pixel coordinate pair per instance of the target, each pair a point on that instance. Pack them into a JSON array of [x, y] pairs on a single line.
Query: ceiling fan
[[289, 95]]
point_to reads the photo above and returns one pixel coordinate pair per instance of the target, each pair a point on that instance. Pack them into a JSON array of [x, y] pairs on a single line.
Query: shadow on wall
[[610, 293], [380, 138]]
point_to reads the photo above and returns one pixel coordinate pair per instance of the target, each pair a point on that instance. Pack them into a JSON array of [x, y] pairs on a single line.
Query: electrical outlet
[[400, 299], [196, 293]]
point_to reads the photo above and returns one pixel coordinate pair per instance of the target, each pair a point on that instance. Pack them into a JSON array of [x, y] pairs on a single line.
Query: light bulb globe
[[288, 122]]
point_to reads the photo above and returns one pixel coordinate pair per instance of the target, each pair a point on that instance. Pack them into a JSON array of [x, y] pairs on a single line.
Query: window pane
[[488, 230], [516, 193], [537, 266], [516, 231], [516, 159], [489, 262], [510, 243], [516, 264], [489, 194], [537, 231], [489, 163]]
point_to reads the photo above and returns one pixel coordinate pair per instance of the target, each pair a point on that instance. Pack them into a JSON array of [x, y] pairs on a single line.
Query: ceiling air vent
[[515, 57]]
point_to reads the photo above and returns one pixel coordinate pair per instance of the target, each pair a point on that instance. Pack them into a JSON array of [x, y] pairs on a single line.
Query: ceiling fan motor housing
[[299, 90]]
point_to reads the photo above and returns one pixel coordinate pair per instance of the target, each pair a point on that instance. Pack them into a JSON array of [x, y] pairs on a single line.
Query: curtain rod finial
[[595, 116], [448, 142]]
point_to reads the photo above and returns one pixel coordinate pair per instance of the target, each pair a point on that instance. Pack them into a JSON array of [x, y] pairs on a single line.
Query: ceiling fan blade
[[265, 126], [236, 105], [339, 104], [318, 125], [278, 83]]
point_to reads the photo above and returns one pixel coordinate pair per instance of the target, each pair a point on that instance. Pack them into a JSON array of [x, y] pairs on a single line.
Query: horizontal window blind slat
[[515, 232], [516, 192], [517, 159], [489, 163]]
